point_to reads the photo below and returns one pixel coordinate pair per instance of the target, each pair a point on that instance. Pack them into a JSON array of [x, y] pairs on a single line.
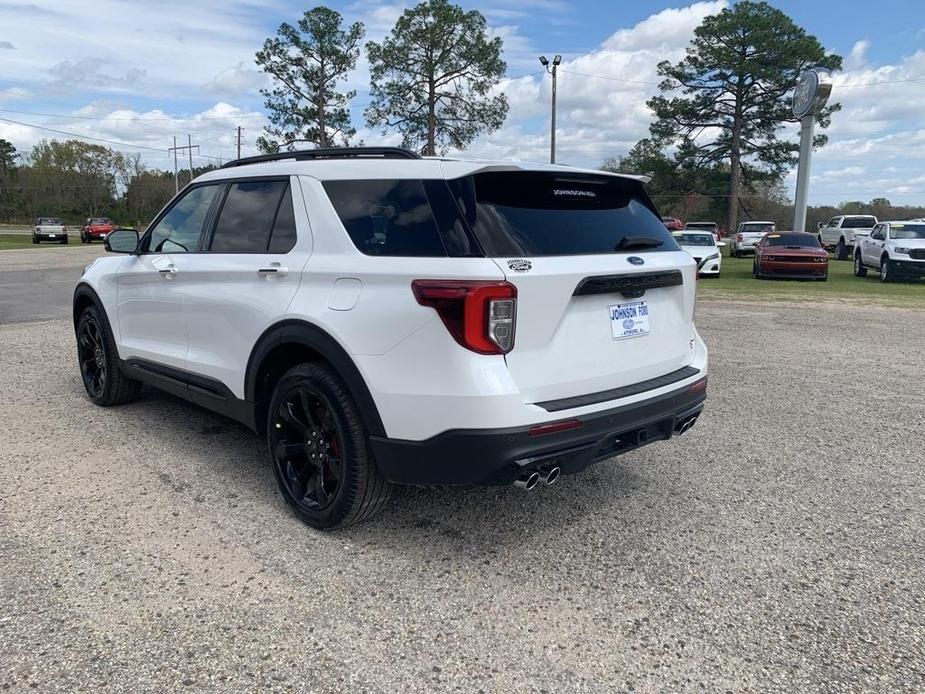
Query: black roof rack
[[329, 153]]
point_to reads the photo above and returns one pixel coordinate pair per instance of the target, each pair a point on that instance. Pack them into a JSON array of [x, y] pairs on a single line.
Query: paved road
[[37, 284], [777, 547]]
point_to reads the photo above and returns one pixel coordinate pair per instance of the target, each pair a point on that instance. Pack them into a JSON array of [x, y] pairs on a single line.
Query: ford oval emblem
[[635, 260], [519, 265]]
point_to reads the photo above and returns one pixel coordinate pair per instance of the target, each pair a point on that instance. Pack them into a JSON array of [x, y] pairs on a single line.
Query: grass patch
[[9, 242], [736, 282]]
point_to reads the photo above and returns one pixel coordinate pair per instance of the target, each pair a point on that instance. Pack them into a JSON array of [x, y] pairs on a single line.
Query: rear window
[[756, 228], [49, 221], [100, 220], [694, 239], [858, 222], [536, 214], [701, 225], [802, 240]]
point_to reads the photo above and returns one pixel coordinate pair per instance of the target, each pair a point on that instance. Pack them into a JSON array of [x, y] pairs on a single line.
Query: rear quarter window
[[525, 213], [401, 217]]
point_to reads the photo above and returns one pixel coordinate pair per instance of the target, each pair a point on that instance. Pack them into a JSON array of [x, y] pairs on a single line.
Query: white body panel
[[835, 231]]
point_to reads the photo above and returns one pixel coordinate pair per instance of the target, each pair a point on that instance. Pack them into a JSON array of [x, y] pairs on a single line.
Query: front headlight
[[711, 257], [902, 251]]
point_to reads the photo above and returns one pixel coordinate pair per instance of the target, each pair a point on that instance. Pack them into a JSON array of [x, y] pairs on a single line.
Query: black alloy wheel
[[319, 446], [307, 448], [91, 352]]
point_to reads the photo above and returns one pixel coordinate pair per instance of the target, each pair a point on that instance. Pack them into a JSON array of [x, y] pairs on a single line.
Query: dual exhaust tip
[[687, 424], [531, 478]]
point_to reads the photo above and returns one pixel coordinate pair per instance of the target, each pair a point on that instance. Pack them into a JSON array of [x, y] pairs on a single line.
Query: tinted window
[[858, 222], [247, 215], [694, 239], [533, 213], [803, 240], [283, 237], [387, 217], [178, 231]]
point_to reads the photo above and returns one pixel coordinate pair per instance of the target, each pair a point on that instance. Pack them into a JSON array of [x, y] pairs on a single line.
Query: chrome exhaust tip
[[527, 481], [687, 424], [550, 475]]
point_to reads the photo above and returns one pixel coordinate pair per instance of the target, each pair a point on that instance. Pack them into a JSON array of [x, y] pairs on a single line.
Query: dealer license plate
[[629, 320]]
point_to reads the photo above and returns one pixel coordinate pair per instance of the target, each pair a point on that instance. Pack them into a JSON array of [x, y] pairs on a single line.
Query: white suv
[[383, 318]]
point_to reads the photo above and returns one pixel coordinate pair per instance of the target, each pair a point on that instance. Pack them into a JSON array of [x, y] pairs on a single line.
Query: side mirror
[[121, 241], [721, 244], [820, 225]]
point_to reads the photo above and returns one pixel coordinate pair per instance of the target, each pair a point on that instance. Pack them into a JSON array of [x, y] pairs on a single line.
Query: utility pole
[[552, 134], [176, 182], [239, 142], [190, 146]]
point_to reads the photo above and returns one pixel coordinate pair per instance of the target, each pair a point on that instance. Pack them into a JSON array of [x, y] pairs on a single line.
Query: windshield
[[694, 239], [858, 222], [756, 228], [531, 213], [794, 239], [907, 231]]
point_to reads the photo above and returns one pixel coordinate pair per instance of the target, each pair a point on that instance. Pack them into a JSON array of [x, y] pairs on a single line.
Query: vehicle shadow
[[494, 519]]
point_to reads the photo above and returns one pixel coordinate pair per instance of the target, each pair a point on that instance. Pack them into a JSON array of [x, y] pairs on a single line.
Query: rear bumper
[[49, 237], [500, 456]]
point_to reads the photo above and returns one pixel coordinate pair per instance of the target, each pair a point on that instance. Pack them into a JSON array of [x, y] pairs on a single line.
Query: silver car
[[49, 229]]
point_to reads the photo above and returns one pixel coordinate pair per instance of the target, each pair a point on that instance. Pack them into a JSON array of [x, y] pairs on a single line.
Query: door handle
[[168, 271], [275, 270]]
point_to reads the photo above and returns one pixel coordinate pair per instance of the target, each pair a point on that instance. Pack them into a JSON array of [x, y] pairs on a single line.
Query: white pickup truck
[[748, 235], [841, 232]]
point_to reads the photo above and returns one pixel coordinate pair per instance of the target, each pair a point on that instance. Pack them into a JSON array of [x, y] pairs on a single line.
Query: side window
[[387, 217], [178, 231], [282, 239], [246, 219], [833, 222]]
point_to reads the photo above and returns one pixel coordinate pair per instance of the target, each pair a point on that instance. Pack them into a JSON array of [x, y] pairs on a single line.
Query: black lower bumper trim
[[500, 456]]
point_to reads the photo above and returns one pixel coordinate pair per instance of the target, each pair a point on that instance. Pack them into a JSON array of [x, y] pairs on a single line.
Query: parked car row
[[53, 229]]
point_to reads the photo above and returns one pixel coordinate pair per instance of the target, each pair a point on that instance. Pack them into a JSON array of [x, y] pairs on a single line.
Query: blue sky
[[141, 72]]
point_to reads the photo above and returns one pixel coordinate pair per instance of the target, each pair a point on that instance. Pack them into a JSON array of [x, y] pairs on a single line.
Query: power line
[[98, 139]]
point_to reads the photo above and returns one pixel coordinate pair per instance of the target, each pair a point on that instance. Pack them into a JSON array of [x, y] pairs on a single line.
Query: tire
[[64, 242], [887, 273], [755, 270], [35, 240], [98, 362], [311, 413], [841, 250], [859, 269]]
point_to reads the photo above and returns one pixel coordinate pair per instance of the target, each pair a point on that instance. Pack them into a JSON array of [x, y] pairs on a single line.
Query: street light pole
[[552, 127]]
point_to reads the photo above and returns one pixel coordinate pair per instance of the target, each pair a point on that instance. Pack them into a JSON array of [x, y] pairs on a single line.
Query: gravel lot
[[778, 547]]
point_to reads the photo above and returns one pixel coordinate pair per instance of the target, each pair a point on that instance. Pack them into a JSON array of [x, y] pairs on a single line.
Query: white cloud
[[858, 55]]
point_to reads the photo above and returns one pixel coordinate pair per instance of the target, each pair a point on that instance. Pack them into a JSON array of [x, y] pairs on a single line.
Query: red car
[[791, 255], [672, 223], [96, 228]]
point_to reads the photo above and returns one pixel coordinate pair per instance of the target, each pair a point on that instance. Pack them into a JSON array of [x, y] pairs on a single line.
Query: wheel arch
[[85, 296], [291, 342]]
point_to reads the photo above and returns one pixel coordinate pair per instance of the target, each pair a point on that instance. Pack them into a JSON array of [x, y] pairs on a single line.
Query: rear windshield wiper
[[632, 242]]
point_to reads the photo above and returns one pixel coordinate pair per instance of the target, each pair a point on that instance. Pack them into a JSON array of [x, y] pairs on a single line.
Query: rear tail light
[[739, 238], [480, 315], [553, 427]]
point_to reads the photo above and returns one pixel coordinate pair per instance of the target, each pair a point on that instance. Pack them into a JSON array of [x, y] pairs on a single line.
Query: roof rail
[[329, 153]]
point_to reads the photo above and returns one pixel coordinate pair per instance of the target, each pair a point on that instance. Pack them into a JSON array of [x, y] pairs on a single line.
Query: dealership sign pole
[[810, 95]]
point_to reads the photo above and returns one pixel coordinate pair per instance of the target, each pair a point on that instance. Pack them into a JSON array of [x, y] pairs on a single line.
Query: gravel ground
[[777, 547]]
